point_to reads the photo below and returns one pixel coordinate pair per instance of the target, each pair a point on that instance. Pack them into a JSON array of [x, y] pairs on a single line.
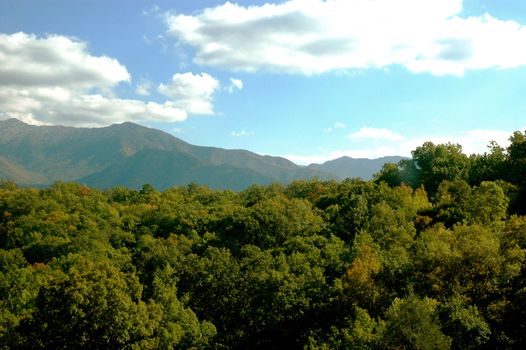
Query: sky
[[309, 80]]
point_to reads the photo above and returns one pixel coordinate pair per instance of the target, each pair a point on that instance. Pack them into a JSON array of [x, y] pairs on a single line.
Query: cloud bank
[[317, 36], [55, 80]]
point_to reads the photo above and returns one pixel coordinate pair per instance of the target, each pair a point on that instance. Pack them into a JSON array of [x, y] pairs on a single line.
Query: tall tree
[[436, 163]]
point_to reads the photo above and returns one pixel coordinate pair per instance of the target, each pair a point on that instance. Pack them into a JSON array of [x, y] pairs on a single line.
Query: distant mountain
[[131, 155], [346, 167]]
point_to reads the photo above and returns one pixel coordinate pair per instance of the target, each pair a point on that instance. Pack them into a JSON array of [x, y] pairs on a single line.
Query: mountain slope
[[11, 170], [163, 169]]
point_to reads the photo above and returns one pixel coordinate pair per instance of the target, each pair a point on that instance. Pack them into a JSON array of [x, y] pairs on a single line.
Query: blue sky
[[311, 80]]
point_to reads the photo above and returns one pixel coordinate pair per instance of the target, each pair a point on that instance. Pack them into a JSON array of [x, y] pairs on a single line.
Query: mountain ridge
[[345, 166], [130, 154]]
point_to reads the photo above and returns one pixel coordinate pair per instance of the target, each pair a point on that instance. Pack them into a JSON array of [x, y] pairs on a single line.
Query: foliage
[[315, 264]]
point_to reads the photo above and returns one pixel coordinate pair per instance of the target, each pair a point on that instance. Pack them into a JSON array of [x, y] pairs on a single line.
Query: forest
[[430, 254]]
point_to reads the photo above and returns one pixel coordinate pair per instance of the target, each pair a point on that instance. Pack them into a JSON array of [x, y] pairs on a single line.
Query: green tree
[[464, 324], [412, 323], [516, 170], [436, 163], [488, 166], [391, 174], [487, 204], [463, 261], [516, 166], [92, 306]]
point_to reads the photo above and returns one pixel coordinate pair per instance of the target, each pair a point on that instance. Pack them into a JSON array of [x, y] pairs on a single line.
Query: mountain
[[131, 155], [346, 167]]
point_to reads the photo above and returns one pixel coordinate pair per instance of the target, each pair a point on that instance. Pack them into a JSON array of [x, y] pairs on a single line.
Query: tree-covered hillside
[[429, 255]]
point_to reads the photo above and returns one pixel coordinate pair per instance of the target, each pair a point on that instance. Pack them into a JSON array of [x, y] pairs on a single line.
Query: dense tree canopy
[[429, 255]]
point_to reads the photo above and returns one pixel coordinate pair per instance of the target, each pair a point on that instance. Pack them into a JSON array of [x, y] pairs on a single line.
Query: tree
[[360, 286], [358, 331], [516, 170], [412, 323], [487, 204], [464, 260], [464, 324], [516, 166], [436, 163], [19, 284], [93, 306], [390, 173], [451, 205], [488, 166]]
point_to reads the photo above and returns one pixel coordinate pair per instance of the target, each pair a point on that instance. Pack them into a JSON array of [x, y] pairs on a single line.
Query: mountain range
[[131, 155]]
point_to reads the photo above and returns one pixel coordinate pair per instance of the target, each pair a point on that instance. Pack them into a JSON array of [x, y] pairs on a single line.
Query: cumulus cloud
[[55, 80], [367, 133], [316, 36], [28, 61], [472, 141], [192, 93]]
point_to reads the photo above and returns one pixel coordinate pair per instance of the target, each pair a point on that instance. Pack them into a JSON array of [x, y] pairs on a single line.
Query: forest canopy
[[429, 255]]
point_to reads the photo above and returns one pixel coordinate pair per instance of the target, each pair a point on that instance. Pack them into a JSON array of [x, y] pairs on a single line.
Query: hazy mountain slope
[[164, 169], [11, 170], [346, 167], [266, 165]]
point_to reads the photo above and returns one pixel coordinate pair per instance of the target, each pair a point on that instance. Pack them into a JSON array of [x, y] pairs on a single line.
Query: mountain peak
[[127, 124], [12, 121]]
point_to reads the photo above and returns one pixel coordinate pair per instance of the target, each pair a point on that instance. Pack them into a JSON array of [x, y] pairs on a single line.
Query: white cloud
[[54, 80], [472, 141], [28, 61], [367, 133], [316, 36], [192, 93], [241, 133], [61, 106], [235, 84]]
